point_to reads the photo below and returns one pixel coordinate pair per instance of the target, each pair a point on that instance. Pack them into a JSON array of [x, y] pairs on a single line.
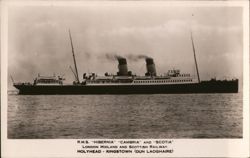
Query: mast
[[77, 77], [196, 65]]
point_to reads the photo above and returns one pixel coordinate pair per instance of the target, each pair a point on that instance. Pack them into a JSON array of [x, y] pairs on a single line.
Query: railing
[[23, 83]]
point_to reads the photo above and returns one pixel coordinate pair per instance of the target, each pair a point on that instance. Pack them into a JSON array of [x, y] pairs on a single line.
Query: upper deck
[[172, 77]]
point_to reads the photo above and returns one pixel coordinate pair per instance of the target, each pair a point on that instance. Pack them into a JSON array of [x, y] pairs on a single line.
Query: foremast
[[74, 59]]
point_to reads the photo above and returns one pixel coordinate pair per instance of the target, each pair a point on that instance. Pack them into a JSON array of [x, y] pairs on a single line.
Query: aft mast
[[76, 73], [196, 65]]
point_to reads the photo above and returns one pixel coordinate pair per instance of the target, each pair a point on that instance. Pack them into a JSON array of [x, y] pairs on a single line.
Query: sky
[[38, 39]]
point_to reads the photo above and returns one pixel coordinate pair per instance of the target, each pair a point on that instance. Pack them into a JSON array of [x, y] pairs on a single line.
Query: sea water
[[125, 116]]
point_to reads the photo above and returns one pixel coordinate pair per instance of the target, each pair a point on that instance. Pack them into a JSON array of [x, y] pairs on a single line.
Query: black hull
[[203, 87]]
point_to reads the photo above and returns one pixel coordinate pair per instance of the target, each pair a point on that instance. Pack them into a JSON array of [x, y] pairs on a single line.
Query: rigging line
[[73, 72], [12, 79]]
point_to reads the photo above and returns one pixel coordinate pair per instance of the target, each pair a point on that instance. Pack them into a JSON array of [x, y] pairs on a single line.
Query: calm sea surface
[[125, 116]]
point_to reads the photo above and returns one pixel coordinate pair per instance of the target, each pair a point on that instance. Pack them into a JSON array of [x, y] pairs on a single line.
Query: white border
[[67, 147]]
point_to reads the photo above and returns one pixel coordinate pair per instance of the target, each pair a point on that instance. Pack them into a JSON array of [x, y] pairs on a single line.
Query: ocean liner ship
[[124, 82]]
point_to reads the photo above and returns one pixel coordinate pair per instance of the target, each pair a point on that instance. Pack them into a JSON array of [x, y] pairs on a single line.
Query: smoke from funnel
[[150, 65], [133, 57], [110, 56]]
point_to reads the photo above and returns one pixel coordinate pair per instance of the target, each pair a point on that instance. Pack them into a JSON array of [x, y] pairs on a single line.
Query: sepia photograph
[[120, 71], [125, 70]]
